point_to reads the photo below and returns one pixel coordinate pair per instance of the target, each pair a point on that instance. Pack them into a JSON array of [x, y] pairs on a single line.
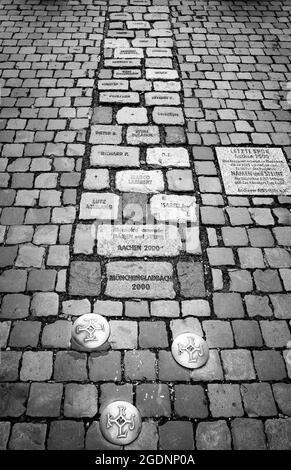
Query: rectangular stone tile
[[99, 206], [114, 156]]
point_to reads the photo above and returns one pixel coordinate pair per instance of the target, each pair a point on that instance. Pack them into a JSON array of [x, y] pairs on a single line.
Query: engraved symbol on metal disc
[[120, 422], [190, 350], [90, 331]]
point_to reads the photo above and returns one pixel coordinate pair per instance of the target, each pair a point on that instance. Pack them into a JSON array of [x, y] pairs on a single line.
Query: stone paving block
[[267, 280], [148, 438], [225, 400], [170, 370], [269, 365], [4, 434], [85, 278], [139, 365], [66, 435], [36, 365], [105, 366], [153, 400], [278, 433], [13, 399], [70, 365], [123, 334], [211, 371], [281, 305], [44, 304], [15, 306], [10, 362], [41, 280], [80, 401], [218, 333], [191, 279], [57, 335], [13, 280], [248, 434], [238, 364], [153, 335], [247, 333], [258, 306], [258, 400], [24, 334], [44, 400], [4, 333], [213, 436], [176, 435], [28, 436], [190, 401], [282, 394], [275, 333], [228, 305]]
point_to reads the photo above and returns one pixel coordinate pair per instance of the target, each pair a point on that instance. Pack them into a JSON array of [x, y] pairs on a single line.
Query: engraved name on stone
[[128, 53], [138, 240], [122, 63], [140, 279], [143, 135], [113, 84], [114, 155], [102, 206], [168, 115], [174, 208], [115, 97], [160, 98], [254, 170], [168, 156], [140, 181], [153, 74]]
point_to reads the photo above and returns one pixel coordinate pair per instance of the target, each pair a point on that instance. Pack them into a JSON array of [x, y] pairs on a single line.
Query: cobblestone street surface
[[111, 115]]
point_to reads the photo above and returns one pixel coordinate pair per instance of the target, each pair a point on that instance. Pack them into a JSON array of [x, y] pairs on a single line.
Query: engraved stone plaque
[[140, 279], [99, 206], [140, 181], [138, 240], [118, 97], [128, 53], [138, 135], [114, 155], [122, 63], [90, 331], [113, 84], [174, 208], [168, 156], [152, 74], [168, 115], [161, 98], [120, 423], [190, 350], [102, 134], [254, 170]]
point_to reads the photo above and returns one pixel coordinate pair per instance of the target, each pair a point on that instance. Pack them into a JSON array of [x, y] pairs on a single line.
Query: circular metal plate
[[190, 350], [90, 331], [120, 422]]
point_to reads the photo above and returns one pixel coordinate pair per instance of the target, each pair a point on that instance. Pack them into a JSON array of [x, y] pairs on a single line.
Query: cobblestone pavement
[[86, 88]]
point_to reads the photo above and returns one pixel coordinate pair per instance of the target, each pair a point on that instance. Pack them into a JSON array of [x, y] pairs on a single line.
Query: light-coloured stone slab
[[140, 279], [102, 206], [114, 156], [160, 33], [153, 74], [144, 42], [254, 170], [140, 181], [128, 53], [96, 179], [174, 208], [139, 135], [167, 86], [138, 25], [168, 115], [153, 98], [129, 115], [112, 63], [138, 240], [114, 43], [159, 63], [127, 73], [112, 84], [102, 134], [119, 97], [168, 156], [158, 52], [124, 16]]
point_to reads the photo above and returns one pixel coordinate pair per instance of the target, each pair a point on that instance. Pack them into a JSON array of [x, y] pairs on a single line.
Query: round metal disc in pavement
[[90, 331], [190, 350], [120, 422]]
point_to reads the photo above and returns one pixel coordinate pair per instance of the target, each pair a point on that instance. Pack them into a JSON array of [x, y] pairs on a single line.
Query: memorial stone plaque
[[122, 63], [168, 156], [153, 74], [113, 43], [140, 181], [174, 208], [102, 134], [127, 73], [118, 97], [254, 170], [158, 52], [120, 33], [138, 25], [139, 135], [113, 84], [138, 240], [159, 63], [120, 423], [114, 155], [128, 53], [120, 16], [102, 206], [153, 98], [144, 42], [168, 115], [140, 279]]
